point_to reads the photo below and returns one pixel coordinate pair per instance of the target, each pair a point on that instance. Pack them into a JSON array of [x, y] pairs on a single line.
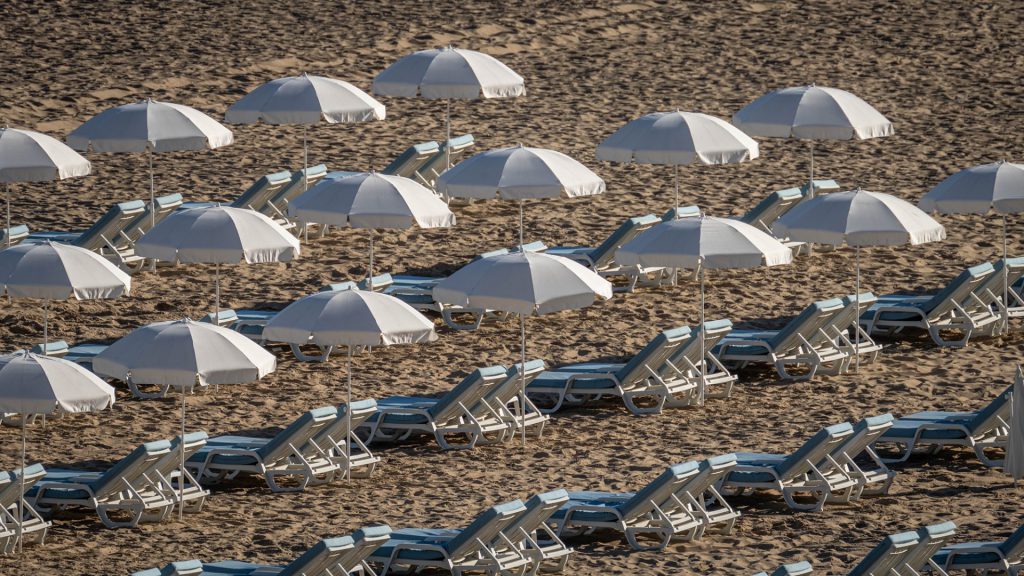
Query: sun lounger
[[601, 258], [408, 163], [951, 309], [428, 172], [811, 470], [849, 336], [680, 212], [283, 456], [31, 526], [168, 475], [504, 400], [1006, 557], [165, 205], [860, 461], [991, 290], [764, 214], [930, 539], [932, 431], [450, 419], [256, 196], [681, 501], [794, 569], [329, 557], [105, 236], [577, 384], [802, 342], [681, 373], [277, 206], [330, 441], [887, 556], [124, 487], [469, 551], [16, 234]]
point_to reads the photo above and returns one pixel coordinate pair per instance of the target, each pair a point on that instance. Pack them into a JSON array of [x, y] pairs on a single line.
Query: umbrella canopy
[[705, 242], [53, 271], [181, 352], [678, 138], [33, 384], [449, 73], [859, 218], [27, 156], [523, 283], [305, 100], [218, 235], [349, 318], [976, 190], [149, 126], [371, 200], [1014, 465], [813, 113], [519, 173]]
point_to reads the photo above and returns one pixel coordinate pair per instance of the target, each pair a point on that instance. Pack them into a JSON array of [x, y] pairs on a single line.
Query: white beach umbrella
[[449, 73], [700, 243], [1014, 465], [305, 100], [812, 113], [519, 173], [859, 218], [349, 318], [523, 283], [675, 139], [27, 156], [371, 201], [33, 384], [182, 353], [218, 235], [977, 190], [150, 126], [53, 271]]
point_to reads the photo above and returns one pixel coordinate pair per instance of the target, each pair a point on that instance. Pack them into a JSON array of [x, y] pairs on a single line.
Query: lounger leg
[[629, 399]]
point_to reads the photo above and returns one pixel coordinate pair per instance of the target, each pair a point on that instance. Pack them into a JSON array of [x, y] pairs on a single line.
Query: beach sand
[[947, 76]]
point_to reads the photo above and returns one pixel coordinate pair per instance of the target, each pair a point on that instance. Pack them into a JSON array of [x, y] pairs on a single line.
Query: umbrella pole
[[7, 202], [521, 202], [46, 324], [522, 377], [348, 418], [181, 453], [152, 190], [856, 310], [1006, 287], [21, 500], [369, 271], [810, 179], [703, 360], [216, 291], [675, 200], [447, 133]]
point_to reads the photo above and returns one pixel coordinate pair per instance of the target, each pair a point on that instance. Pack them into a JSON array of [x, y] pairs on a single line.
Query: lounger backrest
[[539, 509], [366, 541], [221, 318], [378, 282], [689, 350], [771, 208], [930, 539], [651, 359], [55, 348], [956, 291], [172, 460], [407, 163], [110, 225], [181, 568], [794, 569], [820, 185], [813, 451], [294, 188], [337, 432], [297, 434], [887, 555], [993, 285], [256, 196], [658, 490], [603, 254], [853, 307], [339, 286], [680, 212], [484, 529], [467, 393], [435, 165], [1013, 547], [130, 468], [10, 483], [322, 556], [164, 206], [16, 233], [710, 472], [865, 432], [989, 417], [508, 389], [806, 324]]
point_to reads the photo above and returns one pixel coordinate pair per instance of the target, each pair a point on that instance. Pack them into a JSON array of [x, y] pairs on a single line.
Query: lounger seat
[[1006, 557]]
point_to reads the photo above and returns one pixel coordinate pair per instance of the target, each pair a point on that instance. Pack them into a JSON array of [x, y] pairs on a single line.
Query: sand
[[947, 76]]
